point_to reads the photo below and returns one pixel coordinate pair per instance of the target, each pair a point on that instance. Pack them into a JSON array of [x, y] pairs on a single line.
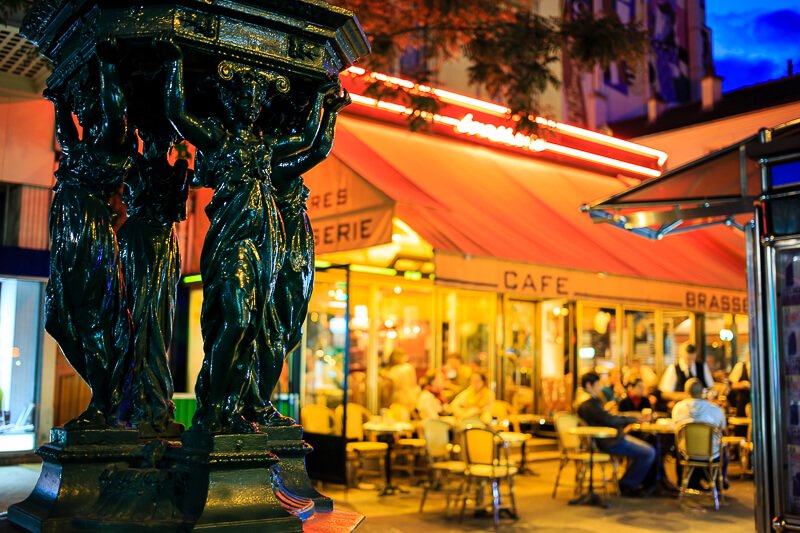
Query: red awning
[[472, 200]]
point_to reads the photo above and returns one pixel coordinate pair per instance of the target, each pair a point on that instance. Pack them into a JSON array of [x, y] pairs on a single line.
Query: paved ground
[[539, 513]]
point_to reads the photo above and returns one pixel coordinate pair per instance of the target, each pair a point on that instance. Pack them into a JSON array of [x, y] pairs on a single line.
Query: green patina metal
[[253, 85]]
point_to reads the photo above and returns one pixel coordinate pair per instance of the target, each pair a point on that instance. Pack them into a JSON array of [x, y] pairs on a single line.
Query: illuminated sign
[[492, 123]]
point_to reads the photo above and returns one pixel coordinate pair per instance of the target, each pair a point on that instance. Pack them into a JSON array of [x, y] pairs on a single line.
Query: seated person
[[640, 454], [698, 409], [474, 401], [431, 402], [636, 400], [456, 375], [740, 385]]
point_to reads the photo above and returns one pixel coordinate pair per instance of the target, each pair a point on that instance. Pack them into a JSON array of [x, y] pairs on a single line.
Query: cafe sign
[[541, 281]]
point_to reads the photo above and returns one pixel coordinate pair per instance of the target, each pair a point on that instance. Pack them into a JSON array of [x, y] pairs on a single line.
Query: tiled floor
[[539, 513]]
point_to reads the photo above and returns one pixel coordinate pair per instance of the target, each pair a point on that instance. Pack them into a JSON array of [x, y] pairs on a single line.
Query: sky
[[752, 40]]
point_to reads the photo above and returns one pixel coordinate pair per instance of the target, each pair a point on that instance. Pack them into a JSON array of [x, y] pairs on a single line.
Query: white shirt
[[428, 405], [699, 410], [670, 378]]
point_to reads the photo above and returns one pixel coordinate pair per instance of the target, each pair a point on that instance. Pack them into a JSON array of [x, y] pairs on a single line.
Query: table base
[[590, 498], [391, 490]]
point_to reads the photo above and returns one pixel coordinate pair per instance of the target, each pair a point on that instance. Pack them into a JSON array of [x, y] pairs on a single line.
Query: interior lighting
[[556, 311], [389, 324], [391, 334], [366, 269], [504, 112], [416, 330], [586, 353], [321, 264], [398, 289], [725, 334], [194, 278], [412, 274]]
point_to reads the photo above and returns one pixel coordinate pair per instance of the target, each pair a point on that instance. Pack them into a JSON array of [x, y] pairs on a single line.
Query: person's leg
[[641, 457]]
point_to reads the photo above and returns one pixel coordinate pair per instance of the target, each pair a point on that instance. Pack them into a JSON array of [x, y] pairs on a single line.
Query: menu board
[[789, 311]]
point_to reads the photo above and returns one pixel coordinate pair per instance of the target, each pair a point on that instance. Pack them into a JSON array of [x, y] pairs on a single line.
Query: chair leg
[[687, 472], [605, 480], [558, 475], [496, 503], [512, 496], [464, 499], [580, 477]]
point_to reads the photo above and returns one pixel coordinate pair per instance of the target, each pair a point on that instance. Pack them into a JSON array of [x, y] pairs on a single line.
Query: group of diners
[[686, 392]]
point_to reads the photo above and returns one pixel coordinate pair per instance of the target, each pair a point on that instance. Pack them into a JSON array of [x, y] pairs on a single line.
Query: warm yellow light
[[366, 269], [398, 289], [726, 334], [388, 323]]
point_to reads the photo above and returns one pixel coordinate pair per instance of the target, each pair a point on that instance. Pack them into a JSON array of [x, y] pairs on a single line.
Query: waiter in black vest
[[676, 375], [740, 385]]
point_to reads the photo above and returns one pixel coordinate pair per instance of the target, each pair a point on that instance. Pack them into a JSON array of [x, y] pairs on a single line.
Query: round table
[[593, 432], [667, 427], [739, 421], [388, 427]]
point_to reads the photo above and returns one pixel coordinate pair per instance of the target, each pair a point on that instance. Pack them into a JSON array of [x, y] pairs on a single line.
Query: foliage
[[9, 8], [512, 51]]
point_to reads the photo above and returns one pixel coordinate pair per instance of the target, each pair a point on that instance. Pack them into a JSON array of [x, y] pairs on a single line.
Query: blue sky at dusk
[[753, 40]]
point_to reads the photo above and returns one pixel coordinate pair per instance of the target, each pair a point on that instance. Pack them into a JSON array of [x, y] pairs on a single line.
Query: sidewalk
[[539, 513]]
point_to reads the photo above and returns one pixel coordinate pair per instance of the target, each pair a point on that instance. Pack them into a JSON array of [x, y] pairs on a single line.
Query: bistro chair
[[408, 447], [317, 418], [444, 473], [360, 452], [695, 444], [487, 462], [573, 450]]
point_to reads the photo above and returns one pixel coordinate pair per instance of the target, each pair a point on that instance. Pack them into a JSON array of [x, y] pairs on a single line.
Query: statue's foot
[[239, 424], [92, 418], [275, 419]]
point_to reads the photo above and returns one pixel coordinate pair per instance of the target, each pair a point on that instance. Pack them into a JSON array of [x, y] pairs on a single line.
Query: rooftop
[[752, 98]]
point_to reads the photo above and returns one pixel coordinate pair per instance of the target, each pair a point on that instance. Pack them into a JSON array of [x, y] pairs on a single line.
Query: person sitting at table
[[431, 402], [637, 369], [695, 408], [673, 382], [456, 375], [636, 400], [404, 379], [640, 454], [474, 401]]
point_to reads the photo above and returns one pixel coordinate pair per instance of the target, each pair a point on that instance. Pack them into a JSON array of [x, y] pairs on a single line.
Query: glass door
[[517, 365]]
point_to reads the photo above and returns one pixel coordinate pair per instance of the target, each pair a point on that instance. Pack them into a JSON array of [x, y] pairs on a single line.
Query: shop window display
[[20, 354]]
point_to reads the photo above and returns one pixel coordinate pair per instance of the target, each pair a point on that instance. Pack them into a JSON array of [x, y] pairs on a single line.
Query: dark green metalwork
[[253, 85], [86, 312]]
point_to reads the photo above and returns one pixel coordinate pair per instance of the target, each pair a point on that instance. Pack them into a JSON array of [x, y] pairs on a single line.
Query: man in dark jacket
[[640, 453]]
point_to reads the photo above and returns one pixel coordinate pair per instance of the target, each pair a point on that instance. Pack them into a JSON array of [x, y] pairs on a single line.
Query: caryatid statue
[[85, 307], [245, 246]]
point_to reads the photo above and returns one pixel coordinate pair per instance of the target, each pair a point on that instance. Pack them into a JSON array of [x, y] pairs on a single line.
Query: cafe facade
[[468, 238]]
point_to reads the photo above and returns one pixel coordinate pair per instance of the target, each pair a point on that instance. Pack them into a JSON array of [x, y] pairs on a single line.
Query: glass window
[[516, 364], [468, 321], [639, 338], [720, 337], [598, 340], [555, 390], [326, 334], [405, 329], [20, 348], [677, 330]]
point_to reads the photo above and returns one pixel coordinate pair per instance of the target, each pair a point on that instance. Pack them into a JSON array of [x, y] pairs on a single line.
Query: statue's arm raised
[[187, 125], [113, 128], [292, 144], [66, 132], [297, 164]]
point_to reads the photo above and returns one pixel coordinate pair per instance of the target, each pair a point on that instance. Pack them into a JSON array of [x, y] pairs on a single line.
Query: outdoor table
[[593, 432], [515, 437], [388, 427], [664, 427]]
